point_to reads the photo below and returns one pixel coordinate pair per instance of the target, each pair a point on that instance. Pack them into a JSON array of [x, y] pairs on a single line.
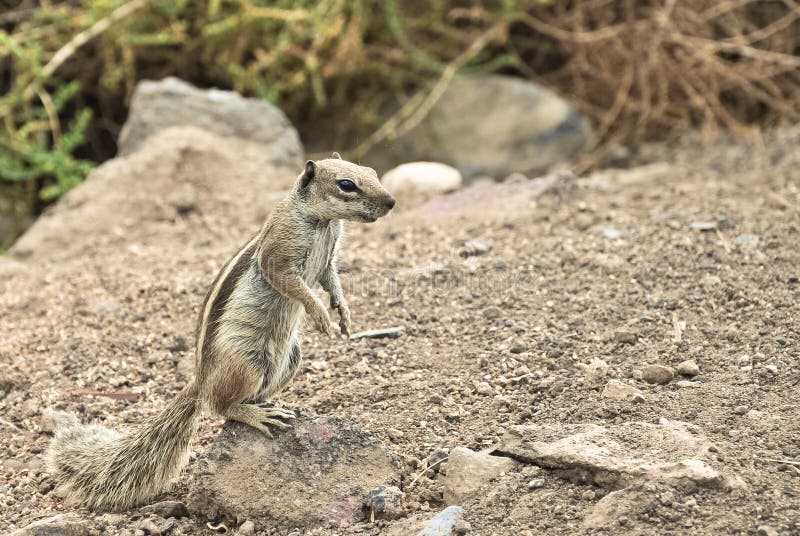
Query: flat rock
[[494, 126], [622, 391], [443, 523], [620, 455], [166, 509], [61, 525], [383, 333], [157, 105], [317, 473], [469, 471], [626, 502]]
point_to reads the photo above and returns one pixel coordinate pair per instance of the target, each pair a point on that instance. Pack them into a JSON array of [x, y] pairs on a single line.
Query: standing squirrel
[[247, 341]]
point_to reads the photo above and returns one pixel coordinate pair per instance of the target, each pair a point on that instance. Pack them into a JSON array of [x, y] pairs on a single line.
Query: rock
[[461, 527], [436, 458], [622, 391], [385, 333], [687, 383], [746, 240], [317, 473], [596, 370], [619, 455], [766, 530], [536, 483], [494, 126], [710, 281], [385, 501], [483, 388], [771, 368], [126, 197], [704, 226], [624, 337], [53, 420], [740, 410], [618, 505], [657, 374], [425, 178], [248, 528], [61, 525], [166, 509], [475, 247], [469, 471], [157, 105], [688, 368], [443, 524], [518, 347], [156, 525]]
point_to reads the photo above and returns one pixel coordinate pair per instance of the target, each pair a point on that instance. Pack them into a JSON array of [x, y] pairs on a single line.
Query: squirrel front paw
[[321, 319], [344, 318]]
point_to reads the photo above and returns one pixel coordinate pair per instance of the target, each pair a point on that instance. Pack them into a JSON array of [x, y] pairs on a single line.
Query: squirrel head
[[335, 189]]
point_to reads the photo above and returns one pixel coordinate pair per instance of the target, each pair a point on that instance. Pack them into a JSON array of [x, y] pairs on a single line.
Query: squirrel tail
[[97, 467]]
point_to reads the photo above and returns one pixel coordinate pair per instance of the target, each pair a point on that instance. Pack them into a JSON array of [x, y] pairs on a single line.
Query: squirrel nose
[[390, 202]]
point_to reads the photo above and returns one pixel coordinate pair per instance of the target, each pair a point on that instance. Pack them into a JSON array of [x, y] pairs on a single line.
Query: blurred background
[[358, 75]]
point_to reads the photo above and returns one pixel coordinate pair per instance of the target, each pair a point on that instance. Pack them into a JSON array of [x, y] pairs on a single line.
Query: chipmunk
[[247, 341]]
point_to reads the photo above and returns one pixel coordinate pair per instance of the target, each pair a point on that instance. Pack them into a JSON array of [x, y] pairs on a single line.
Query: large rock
[[172, 102], [494, 125], [422, 178], [620, 455], [181, 187], [318, 473], [469, 471]]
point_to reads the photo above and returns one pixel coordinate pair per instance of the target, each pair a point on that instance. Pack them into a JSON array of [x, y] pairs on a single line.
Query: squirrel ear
[[336, 156], [308, 174]]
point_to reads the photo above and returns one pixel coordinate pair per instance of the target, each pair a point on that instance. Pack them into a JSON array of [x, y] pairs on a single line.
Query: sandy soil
[[694, 256]]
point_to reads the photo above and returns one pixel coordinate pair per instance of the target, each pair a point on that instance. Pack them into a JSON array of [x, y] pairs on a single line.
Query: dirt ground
[[695, 255]]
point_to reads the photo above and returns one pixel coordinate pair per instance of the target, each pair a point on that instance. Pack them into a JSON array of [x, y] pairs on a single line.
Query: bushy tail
[[97, 467]]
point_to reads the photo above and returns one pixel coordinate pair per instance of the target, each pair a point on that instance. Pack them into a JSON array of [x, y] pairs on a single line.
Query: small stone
[[609, 232], [688, 368], [536, 483], [385, 500], [492, 313], [771, 368], [53, 420], [710, 280], [754, 414], [657, 374], [744, 360], [595, 371], [766, 530], [483, 388], [687, 383], [469, 471], [422, 177], [583, 221], [166, 509], [436, 458], [395, 434], [156, 525], [589, 495], [667, 498], [443, 523], [248, 528], [461, 527], [636, 374], [621, 391], [624, 337], [704, 226], [747, 240], [740, 410], [104, 307], [518, 347], [475, 247]]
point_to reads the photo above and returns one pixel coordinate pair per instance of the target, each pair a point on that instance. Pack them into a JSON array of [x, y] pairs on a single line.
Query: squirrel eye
[[346, 185]]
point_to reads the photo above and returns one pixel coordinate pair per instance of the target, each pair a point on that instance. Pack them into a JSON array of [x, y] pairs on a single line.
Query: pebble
[[740, 410], [624, 337], [687, 383], [475, 247], [704, 226], [622, 391], [688, 368], [710, 280], [747, 240], [248, 528], [667, 498], [771, 368], [483, 388], [436, 458], [461, 527], [536, 483], [518, 347], [385, 500], [657, 374], [766, 530], [166, 509]]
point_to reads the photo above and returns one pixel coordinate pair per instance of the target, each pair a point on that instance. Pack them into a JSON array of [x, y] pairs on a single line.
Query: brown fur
[[247, 341]]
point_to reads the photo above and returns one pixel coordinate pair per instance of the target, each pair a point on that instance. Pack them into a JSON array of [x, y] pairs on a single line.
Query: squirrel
[[247, 346]]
